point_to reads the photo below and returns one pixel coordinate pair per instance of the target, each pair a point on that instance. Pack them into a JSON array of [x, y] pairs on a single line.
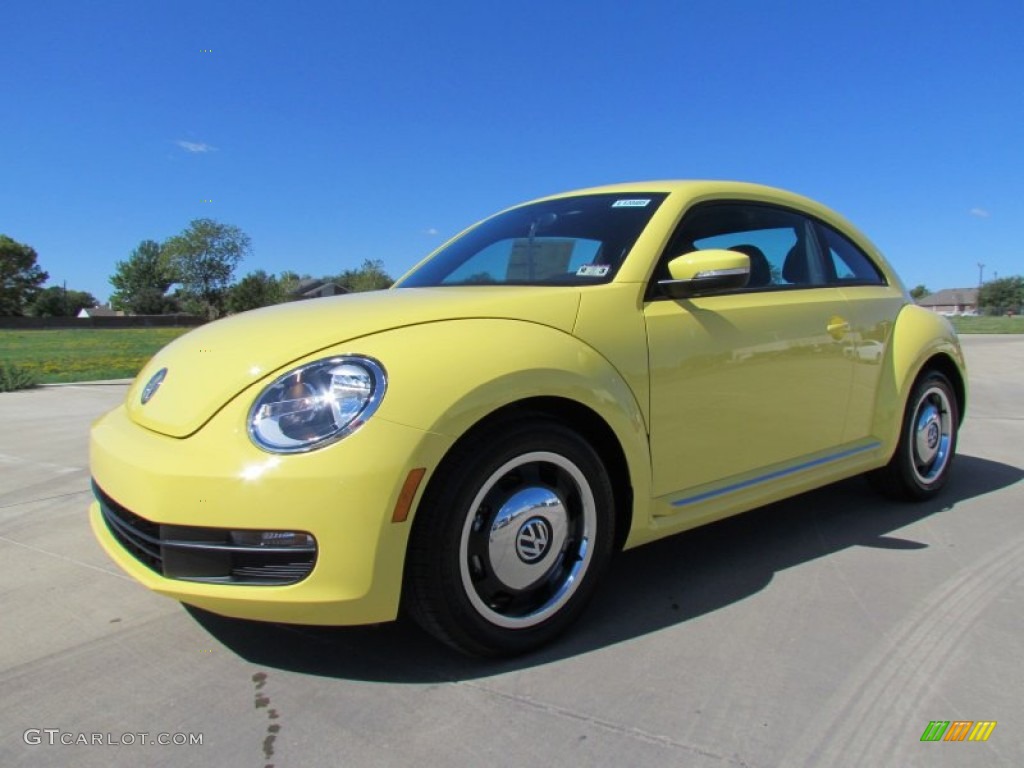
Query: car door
[[746, 383], [872, 307]]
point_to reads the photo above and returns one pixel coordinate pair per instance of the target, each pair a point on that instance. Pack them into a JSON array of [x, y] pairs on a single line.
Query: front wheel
[[510, 539], [920, 467]]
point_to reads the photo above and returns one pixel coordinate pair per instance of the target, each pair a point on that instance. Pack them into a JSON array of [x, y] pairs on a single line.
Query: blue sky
[[332, 132]]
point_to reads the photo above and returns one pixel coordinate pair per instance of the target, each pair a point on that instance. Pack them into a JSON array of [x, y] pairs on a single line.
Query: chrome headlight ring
[[316, 404]]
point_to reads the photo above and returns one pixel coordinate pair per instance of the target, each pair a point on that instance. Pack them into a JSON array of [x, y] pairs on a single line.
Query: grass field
[[1000, 324], [91, 354], [86, 354]]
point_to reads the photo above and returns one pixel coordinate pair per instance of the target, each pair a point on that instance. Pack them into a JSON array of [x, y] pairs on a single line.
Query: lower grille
[[211, 555]]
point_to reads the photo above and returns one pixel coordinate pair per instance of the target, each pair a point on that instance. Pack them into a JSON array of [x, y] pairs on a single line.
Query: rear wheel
[[920, 467], [510, 539]]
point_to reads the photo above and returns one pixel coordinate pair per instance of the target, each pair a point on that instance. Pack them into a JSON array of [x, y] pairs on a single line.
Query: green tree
[[918, 292], [997, 297], [141, 282], [56, 301], [289, 282], [371, 276], [20, 276], [204, 258], [255, 290]]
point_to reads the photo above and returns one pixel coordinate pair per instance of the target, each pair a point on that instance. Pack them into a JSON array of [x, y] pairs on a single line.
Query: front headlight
[[317, 404]]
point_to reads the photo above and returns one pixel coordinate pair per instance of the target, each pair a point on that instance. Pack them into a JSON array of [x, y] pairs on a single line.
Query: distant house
[[952, 301], [101, 311], [315, 289]]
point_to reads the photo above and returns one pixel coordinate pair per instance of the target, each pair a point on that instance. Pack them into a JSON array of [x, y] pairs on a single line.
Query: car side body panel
[[739, 382], [536, 361], [871, 312], [920, 338]]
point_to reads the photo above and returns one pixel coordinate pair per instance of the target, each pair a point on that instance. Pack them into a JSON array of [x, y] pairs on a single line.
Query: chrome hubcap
[[527, 535], [525, 544], [933, 431]]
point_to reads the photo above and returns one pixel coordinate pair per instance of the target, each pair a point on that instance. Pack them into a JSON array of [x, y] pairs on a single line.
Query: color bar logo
[[958, 730]]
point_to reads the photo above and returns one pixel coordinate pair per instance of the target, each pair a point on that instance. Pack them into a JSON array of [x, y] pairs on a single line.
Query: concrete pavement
[[827, 630]]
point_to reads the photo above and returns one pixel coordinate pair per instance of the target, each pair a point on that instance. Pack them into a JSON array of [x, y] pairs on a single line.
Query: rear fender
[[920, 338]]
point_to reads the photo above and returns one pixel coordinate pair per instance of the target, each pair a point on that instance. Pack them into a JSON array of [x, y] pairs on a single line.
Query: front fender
[[445, 377], [918, 337]]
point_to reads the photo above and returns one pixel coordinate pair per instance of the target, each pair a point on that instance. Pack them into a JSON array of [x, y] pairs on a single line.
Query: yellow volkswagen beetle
[[575, 375]]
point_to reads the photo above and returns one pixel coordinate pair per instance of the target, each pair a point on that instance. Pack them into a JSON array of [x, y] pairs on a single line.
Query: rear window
[[578, 240]]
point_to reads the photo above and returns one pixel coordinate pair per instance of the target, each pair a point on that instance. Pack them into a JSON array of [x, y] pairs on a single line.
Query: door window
[[780, 244]]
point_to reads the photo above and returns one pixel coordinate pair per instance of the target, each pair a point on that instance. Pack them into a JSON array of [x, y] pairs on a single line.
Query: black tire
[[920, 466], [510, 539]]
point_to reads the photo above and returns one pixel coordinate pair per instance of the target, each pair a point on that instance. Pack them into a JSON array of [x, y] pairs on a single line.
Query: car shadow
[[647, 589]]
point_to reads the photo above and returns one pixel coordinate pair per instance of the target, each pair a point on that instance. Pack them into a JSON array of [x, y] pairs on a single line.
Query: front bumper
[[342, 496]]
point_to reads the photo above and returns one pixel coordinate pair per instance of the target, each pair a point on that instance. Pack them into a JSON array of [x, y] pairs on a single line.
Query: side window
[[781, 245], [847, 263]]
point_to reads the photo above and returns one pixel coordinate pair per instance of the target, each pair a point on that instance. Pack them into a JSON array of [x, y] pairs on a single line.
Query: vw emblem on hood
[[153, 385], [533, 539]]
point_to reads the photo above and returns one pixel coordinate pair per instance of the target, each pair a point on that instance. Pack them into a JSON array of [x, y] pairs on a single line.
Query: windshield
[[569, 241]]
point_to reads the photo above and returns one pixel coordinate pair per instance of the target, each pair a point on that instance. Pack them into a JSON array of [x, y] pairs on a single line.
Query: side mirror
[[701, 272]]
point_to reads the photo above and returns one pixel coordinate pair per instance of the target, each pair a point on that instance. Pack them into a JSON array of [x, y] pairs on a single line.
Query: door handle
[[837, 327]]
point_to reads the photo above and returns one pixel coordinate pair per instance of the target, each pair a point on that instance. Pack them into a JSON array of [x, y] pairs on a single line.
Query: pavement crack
[[66, 559], [607, 725], [20, 461], [45, 498]]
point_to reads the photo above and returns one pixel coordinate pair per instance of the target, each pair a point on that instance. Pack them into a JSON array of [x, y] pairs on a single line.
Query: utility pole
[[981, 274]]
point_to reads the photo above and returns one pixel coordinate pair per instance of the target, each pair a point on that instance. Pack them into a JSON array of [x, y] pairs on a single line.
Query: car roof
[[692, 191], [699, 188]]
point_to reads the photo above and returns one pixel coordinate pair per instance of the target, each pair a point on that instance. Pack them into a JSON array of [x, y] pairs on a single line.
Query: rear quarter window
[[847, 263]]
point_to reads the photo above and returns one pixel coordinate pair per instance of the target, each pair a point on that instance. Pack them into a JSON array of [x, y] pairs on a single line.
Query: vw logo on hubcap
[[153, 385], [533, 539], [933, 435]]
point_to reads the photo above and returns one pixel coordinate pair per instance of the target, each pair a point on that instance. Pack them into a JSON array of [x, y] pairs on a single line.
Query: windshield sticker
[[630, 203], [592, 270]]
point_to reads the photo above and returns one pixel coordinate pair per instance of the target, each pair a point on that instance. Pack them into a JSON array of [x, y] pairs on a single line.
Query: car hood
[[212, 364]]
